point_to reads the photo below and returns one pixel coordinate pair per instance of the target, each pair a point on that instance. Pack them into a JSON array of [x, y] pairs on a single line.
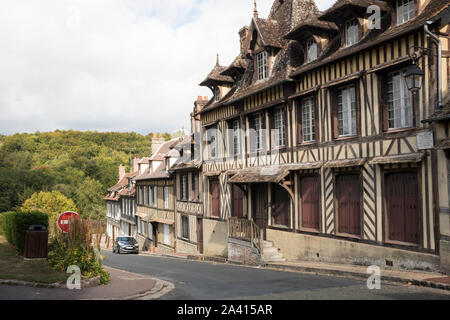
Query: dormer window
[[311, 50], [262, 65], [351, 32], [405, 10], [216, 94]]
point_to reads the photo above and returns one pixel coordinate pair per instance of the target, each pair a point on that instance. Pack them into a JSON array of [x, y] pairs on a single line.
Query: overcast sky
[[113, 65]]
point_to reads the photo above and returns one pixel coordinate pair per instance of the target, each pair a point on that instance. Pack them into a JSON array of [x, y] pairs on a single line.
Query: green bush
[[15, 225], [61, 255]]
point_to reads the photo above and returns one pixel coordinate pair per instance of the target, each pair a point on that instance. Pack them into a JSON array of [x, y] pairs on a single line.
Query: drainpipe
[[439, 62]]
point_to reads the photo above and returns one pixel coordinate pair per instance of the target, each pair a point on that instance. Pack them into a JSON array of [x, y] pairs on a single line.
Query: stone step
[[270, 250], [272, 256], [274, 260], [267, 244]]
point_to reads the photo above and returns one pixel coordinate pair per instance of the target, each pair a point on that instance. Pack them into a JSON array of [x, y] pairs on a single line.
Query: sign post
[[64, 218]]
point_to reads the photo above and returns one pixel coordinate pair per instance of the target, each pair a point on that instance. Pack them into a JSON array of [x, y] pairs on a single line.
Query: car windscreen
[[126, 239]]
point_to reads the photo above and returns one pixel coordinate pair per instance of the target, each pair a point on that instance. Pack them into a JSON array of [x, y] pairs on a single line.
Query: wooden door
[[260, 205], [200, 235], [402, 201], [214, 189], [310, 202], [348, 193], [280, 206], [238, 202]]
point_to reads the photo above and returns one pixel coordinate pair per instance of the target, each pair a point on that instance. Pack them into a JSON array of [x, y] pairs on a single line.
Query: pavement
[[206, 280], [410, 277], [123, 286]]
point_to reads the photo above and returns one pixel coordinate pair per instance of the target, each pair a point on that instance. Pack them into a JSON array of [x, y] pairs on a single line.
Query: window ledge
[[343, 138], [399, 130], [401, 243], [348, 235]]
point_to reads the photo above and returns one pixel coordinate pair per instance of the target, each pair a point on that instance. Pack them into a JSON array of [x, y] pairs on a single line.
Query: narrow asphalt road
[[210, 281]]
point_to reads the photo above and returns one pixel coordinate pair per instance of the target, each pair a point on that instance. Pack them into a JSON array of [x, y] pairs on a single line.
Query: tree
[[52, 203], [89, 197]]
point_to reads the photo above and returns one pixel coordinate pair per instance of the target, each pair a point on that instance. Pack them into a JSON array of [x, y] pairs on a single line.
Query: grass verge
[[14, 266]]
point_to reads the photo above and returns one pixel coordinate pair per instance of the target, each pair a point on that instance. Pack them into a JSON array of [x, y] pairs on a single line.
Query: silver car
[[125, 245]]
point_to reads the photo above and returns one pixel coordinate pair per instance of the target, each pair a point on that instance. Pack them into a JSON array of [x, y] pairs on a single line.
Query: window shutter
[[271, 114], [383, 82], [285, 126], [252, 134], [334, 113], [299, 122]]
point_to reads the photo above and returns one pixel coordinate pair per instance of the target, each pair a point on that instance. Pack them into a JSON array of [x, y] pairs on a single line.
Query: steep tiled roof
[[375, 36], [341, 9], [123, 182], [283, 15], [239, 64], [163, 150], [168, 149], [313, 25], [215, 76]]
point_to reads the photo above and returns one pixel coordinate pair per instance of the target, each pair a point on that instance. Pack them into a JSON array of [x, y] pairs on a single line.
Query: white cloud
[[119, 65]]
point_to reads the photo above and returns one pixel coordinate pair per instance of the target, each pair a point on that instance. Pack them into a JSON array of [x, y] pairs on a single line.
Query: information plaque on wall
[[425, 140]]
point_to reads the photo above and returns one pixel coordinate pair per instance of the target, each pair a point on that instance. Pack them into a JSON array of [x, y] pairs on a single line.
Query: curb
[[408, 281], [32, 284], [160, 289]]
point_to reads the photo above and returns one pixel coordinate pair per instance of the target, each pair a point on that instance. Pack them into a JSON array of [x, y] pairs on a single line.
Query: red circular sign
[[64, 218]]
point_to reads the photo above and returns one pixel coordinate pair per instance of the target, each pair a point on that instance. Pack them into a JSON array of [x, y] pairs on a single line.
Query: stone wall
[[186, 247], [444, 247], [165, 249], [215, 237], [144, 243], [242, 252], [297, 247]]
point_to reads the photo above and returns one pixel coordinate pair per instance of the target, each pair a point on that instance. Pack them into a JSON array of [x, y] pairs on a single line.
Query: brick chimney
[[121, 172], [199, 104], [135, 164], [157, 141], [243, 33]]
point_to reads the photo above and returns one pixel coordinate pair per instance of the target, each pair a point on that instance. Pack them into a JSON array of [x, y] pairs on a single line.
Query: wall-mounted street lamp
[[413, 78]]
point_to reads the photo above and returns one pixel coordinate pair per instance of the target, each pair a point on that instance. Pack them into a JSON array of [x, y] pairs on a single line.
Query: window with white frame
[[184, 187], [405, 10], [212, 142], [185, 227], [311, 50], [166, 230], [279, 128], [399, 99], [166, 197], [195, 186], [216, 94], [145, 195], [351, 32], [150, 196], [262, 65], [141, 197], [347, 111], [308, 120], [236, 137], [155, 196], [259, 131]]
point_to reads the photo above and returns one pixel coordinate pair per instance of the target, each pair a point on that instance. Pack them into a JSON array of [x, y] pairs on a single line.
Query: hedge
[[16, 223]]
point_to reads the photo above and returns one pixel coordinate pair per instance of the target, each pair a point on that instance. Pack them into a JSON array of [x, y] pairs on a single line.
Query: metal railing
[[246, 230]]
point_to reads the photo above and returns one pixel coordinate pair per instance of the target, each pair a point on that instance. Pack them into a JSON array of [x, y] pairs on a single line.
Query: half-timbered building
[[188, 190], [155, 198], [315, 141], [121, 204]]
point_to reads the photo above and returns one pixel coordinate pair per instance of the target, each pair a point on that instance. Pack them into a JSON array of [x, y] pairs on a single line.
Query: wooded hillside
[[80, 165]]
